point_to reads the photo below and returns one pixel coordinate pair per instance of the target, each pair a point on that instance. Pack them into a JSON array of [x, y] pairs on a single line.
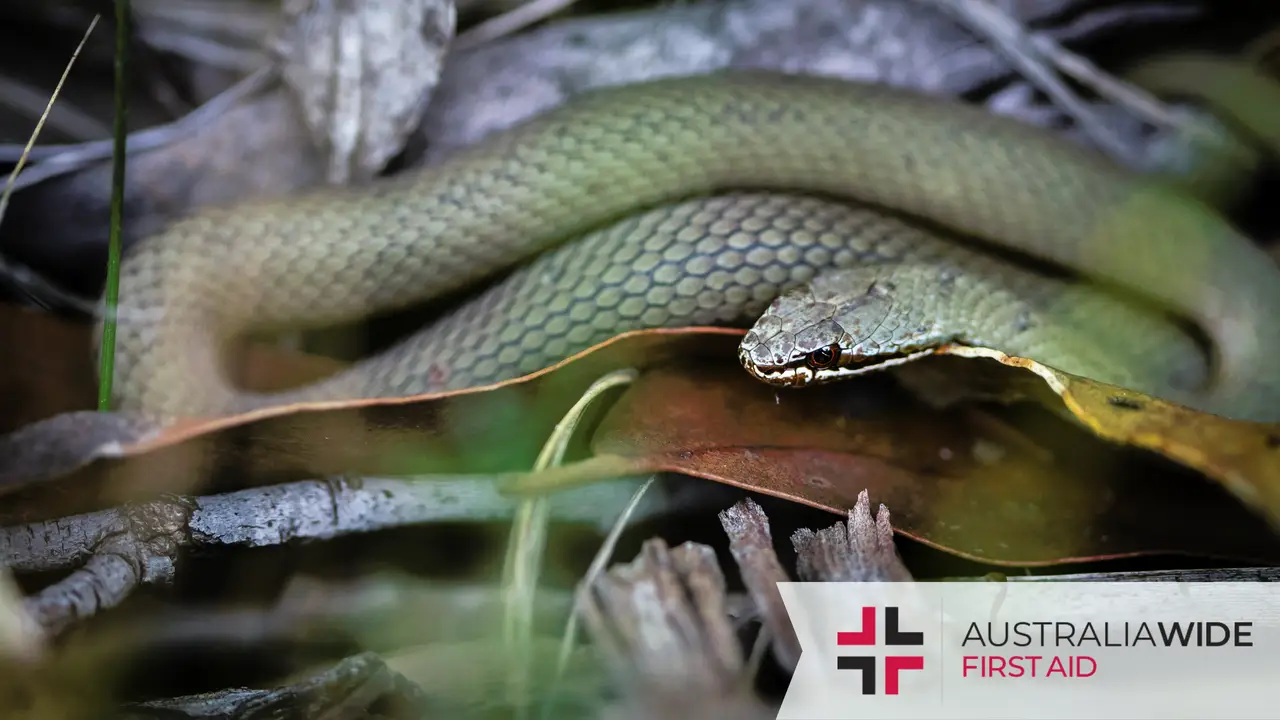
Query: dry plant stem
[[12, 183], [1034, 52], [58, 160], [661, 626], [1135, 99], [527, 544], [1124, 15], [519, 17], [999, 28], [860, 551], [1141, 103], [752, 546]]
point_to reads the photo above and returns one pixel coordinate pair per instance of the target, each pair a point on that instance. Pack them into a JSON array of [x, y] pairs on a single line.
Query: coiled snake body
[[626, 174]]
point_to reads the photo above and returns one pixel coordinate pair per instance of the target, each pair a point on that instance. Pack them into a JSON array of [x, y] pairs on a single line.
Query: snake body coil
[[338, 255]]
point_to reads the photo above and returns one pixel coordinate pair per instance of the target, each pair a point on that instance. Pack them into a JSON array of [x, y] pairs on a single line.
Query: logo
[[1033, 651], [894, 636]]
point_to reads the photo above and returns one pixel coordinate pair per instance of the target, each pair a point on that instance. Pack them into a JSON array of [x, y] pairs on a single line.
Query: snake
[[852, 321], [699, 200]]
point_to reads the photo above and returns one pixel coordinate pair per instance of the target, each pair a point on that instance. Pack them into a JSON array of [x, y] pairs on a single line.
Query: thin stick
[[22, 160], [509, 22], [989, 22]]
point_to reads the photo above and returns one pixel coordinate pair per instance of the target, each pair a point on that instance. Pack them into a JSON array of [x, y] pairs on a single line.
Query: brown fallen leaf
[[1243, 456], [953, 478], [76, 462], [961, 480]]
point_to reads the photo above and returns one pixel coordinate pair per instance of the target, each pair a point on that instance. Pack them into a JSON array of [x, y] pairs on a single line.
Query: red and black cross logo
[[894, 636]]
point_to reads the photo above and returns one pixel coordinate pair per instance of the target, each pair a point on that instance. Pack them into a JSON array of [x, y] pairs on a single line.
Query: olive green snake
[[694, 201]]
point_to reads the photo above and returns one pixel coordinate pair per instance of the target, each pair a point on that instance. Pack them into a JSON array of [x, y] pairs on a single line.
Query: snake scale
[[682, 201]]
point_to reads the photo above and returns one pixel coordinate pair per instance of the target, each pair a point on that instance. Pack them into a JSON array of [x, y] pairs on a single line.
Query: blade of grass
[[528, 540], [107, 353]]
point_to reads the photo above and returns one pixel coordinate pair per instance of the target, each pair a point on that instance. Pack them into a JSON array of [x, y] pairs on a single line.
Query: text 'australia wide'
[[1196, 633]]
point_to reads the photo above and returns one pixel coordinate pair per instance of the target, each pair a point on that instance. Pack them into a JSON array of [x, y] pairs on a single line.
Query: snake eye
[[824, 357]]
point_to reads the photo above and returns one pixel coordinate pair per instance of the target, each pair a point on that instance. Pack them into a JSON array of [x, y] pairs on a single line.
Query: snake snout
[[772, 368]]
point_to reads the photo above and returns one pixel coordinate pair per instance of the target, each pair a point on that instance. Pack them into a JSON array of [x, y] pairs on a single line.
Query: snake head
[[839, 325]]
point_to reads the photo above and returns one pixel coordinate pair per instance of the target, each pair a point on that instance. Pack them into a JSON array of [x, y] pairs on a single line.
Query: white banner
[[1030, 650]]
